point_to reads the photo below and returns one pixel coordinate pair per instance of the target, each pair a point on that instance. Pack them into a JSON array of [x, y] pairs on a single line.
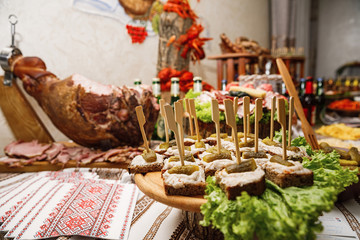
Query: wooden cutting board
[[21, 117], [152, 185]]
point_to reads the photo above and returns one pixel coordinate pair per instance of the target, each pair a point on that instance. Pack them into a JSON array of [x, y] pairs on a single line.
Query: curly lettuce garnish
[[289, 213]]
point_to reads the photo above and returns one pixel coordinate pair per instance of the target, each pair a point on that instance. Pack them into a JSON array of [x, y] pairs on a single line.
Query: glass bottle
[[175, 90], [137, 84], [156, 88], [197, 84], [320, 97], [302, 89], [309, 103], [223, 84], [355, 85], [159, 130]]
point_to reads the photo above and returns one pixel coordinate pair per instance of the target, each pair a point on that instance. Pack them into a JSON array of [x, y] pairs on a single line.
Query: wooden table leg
[[230, 70], [220, 72], [242, 69]]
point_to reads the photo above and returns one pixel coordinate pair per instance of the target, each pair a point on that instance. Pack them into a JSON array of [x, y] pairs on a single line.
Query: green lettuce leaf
[[289, 213]]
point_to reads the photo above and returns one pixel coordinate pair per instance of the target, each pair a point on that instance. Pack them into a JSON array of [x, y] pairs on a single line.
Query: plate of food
[[345, 107], [247, 182]]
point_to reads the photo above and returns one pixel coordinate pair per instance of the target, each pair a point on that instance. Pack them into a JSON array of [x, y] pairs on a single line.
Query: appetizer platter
[[194, 173]]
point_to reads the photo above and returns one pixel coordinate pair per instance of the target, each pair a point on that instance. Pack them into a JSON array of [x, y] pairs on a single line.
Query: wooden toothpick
[[273, 108], [230, 120], [236, 106], [216, 118], [246, 103], [187, 105], [258, 116], [162, 113], [291, 113], [179, 112], [172, 125], [193, 113], [282, 121], [142, 121]]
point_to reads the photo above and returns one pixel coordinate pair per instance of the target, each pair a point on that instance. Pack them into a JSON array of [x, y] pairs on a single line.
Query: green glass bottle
[[197, 85], [137, 84], [175, 90], [156, 88], [159, 131]]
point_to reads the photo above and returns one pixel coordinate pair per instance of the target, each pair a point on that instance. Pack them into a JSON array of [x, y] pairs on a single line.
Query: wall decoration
[[141, 17]]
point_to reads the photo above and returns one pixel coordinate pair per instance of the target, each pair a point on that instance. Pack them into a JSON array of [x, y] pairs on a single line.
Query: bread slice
[[283, 176], [186, 185], [233, 184], [139, 165]]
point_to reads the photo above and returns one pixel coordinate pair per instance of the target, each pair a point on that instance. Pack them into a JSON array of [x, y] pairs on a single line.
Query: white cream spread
[[140, 161], [195, 150], [279, 151], [159, 150], [179, 180], [279, 168], [261, 162], [173, 151], [239, 179], [189, 140]]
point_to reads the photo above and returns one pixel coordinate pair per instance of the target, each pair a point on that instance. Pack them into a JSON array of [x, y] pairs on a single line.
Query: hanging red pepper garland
[[137, 33]]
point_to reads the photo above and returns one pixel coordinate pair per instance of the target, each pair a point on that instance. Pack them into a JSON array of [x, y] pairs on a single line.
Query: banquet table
[[154, 220]]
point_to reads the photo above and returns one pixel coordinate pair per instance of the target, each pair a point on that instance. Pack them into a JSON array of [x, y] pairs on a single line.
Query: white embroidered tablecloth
[[153, 220]]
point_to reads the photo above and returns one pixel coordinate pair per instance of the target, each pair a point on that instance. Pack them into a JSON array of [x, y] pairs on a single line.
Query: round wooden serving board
[[152, 185]]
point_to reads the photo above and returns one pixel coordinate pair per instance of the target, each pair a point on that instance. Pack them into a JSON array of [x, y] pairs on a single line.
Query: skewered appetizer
[[149, 161], [184, 180], [287, 173], [246, 176]]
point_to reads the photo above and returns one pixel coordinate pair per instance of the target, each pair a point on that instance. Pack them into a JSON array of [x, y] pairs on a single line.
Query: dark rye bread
[[284, 180], [152, 167], [210, 172], [255, 188], [188, 189]]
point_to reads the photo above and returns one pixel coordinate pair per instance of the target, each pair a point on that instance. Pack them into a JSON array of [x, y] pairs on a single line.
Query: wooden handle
[[179, 112], [216, 118], [273, 108], [142, 121], [187, 105], [172, 125], [23, 121], [291, 89], [282, 121], [162, 113], [230, 120], [291, 113], [246, 118], [193, 113], [258, 116]]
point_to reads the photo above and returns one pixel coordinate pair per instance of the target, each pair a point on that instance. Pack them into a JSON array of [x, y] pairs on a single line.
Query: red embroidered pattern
[[126, 221], [36, 214], [86, 210]]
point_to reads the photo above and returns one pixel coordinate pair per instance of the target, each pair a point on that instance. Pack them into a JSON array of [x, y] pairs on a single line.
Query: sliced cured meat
[[54, 150], [26, 149]]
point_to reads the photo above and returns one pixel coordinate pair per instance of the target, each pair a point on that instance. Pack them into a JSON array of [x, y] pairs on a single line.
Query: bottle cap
[[175, 79], [156, 80], [197, 79]]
